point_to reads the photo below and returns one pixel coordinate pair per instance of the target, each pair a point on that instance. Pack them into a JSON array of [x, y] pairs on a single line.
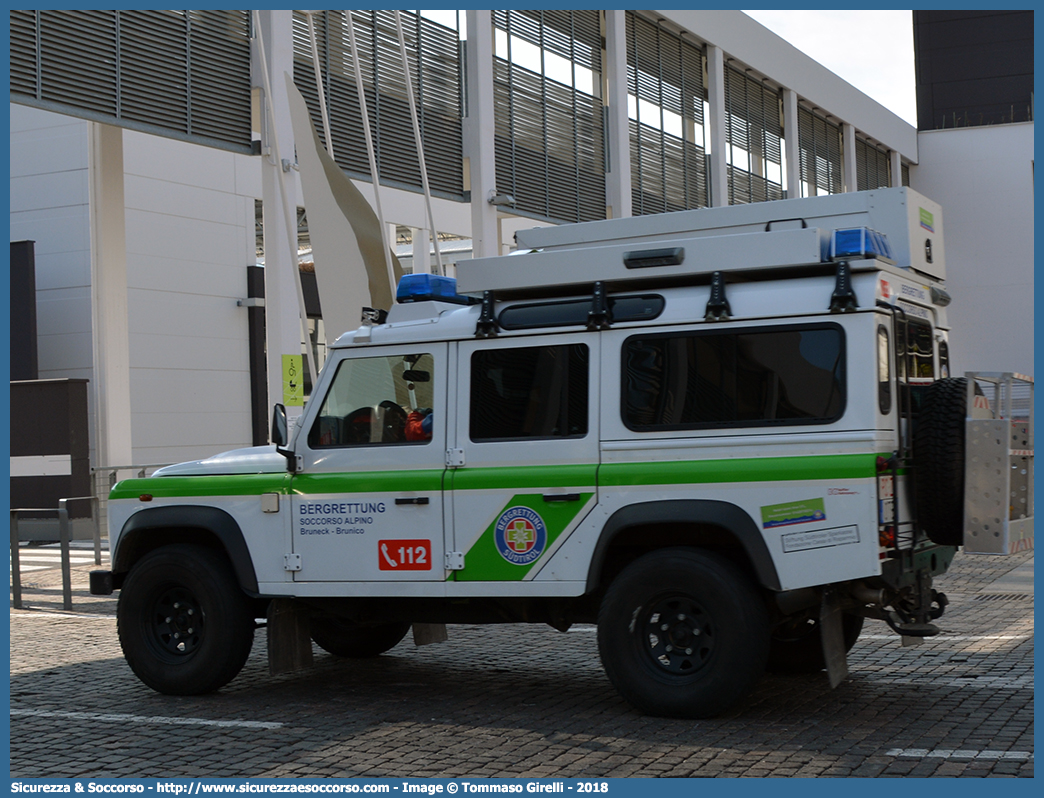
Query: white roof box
[[911, 222], [641, 260]]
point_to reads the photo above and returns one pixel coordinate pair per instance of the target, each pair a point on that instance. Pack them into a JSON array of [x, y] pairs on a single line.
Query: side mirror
[[280, 431]]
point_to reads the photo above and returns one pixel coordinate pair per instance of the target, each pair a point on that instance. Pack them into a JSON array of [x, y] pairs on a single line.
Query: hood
[[255, 460]]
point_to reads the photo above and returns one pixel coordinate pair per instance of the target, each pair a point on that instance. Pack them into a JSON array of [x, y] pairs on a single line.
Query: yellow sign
[[293, 381]]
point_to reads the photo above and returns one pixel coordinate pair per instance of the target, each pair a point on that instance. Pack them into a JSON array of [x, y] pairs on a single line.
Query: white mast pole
[[420, 144], [319, 83], [369, 149]]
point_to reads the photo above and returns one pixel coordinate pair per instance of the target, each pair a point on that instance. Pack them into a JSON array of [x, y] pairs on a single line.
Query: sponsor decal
[[520, 535], [820, 538], [803, 512], [914, 292], [927, 220], [915, 311]]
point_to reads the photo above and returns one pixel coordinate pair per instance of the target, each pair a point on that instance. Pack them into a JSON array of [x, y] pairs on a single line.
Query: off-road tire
[[345, 639], [184, 624], [714, 647], [797, 646], [938, 456]]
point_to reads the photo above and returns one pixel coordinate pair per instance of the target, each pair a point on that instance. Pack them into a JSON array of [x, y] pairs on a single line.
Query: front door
[[368, 502], [527, 433]]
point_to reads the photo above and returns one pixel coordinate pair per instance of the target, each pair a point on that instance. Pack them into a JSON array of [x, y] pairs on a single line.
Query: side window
[[789, 375], [530, 392], [915, 351], [944, 360], [377, 400], [884, 372]]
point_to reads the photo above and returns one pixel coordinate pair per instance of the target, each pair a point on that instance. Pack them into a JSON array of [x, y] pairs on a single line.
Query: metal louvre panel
[[752, 125], [820, 144], [871, 166], [549, 135], [179, 72], [668, 171], [146, 95], [433, 54], [24, 52], [745, 187], [521, 152], [906, 174], [219, 47], [78, 59]]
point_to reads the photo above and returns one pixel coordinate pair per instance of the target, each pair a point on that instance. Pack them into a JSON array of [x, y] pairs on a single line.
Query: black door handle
[[413, 500], [561, 497]]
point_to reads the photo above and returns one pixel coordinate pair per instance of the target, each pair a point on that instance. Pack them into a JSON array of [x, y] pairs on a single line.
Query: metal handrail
[[63, 541]]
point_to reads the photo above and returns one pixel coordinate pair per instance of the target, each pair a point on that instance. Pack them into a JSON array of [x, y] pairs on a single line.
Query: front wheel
[[184, 624], [682, 633]]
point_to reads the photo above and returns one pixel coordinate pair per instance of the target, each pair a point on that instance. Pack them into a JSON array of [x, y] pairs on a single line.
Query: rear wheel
[[682, 633], [184, 624], [797, 645], [345, 639]]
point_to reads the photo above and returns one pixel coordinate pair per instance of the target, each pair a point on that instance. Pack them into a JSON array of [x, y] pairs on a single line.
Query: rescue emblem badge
[[520, 535]]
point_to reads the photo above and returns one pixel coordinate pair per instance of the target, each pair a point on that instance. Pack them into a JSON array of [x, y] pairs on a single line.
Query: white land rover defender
[[726, 436]]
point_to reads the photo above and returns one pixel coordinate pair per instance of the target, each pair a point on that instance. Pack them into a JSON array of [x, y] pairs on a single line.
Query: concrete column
[[896, 170], [282, 313], [421, 251], [719, 176], [791, 140], [618, 176], [848, 157], [479, 132], [109, 306]]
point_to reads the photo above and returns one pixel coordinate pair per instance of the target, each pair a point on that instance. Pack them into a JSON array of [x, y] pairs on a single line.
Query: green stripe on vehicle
[[209, 485], [522, 477], [368, 482], [754, 469], [485, 562]]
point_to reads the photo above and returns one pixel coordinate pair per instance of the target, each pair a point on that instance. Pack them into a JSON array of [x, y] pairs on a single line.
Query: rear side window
[[753, 377], [529, 392], [915, 351]]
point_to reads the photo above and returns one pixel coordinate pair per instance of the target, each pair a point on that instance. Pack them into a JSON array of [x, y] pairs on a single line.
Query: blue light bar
[[425, 287], [860, 242]]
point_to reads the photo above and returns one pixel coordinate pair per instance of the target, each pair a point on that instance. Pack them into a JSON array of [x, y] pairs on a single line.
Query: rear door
[[527, 434]]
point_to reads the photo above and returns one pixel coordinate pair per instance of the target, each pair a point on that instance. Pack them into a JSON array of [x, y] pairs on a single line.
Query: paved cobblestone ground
[[524, 701]]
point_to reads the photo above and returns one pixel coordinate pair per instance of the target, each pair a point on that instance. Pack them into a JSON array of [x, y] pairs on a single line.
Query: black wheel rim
[[676, 635], [176, 624]]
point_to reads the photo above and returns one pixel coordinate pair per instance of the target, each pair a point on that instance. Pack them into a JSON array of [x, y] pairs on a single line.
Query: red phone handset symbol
[[384, 553]]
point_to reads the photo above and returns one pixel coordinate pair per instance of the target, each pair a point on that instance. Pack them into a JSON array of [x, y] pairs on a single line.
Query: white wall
[[983, 178], [190, 237], [50, 205]]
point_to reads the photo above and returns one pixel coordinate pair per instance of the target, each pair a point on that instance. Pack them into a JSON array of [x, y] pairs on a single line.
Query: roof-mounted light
[[427, 287], [860, 242]]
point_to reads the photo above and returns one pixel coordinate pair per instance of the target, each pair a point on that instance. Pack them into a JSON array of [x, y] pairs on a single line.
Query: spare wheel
[[938, 456]]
